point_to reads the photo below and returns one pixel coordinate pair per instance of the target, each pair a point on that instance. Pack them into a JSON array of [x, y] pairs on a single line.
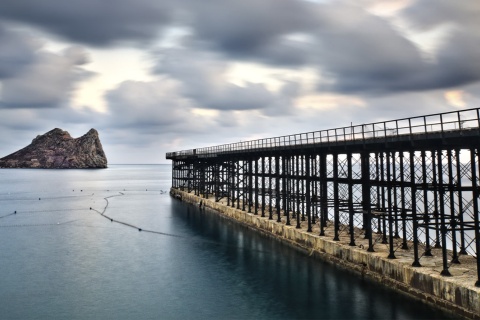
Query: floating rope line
[[49, 198], [37, 224], [46, 211], [7, 215]]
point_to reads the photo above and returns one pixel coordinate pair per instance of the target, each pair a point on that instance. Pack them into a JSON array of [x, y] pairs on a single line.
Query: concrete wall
[[452, 294]]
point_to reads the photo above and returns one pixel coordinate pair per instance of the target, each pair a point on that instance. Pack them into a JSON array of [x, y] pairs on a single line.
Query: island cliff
[[57, 149]]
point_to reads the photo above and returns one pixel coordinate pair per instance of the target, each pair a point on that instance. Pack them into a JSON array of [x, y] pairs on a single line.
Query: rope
[[7, 215], [38, 224]]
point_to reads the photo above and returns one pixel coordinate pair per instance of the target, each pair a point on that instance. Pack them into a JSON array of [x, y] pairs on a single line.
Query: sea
[[112, 244]]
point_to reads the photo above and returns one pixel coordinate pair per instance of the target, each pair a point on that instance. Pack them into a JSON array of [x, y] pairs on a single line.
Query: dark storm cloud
[[16, 52], [93, 22]]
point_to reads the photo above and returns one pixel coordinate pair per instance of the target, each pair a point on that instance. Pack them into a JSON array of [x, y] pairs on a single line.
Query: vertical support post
[[232, 177], [324, 193], [313, 180], [350, 200], [270, 190], [308, 197], [263, 186], [403, 209], [413, 188], [250, 185], [394, 183], [435, 200], [298, 193], [216, 181], [475, 195], [453, 221], [277, 186], [391, 254], [256, 201], [174, 174], [287, 178], [443, 229], [384, 210], [426, 216], [460, 202], [302, 168], [378, 178], [366, 200], [335, 198], [239, 188]]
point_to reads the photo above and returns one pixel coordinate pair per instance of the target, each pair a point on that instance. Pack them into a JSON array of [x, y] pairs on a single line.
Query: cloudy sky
[[154, 76]]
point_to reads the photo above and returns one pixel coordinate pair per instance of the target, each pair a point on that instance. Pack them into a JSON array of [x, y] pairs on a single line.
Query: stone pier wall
[[453, 294]]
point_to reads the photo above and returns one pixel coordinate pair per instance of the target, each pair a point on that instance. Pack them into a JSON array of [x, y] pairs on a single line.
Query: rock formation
[[57, 149]]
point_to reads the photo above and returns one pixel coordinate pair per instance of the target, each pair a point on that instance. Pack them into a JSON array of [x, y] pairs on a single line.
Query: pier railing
[[439, 123]]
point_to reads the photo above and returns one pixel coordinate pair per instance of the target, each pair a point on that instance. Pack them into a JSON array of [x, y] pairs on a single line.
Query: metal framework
[[415, 180]]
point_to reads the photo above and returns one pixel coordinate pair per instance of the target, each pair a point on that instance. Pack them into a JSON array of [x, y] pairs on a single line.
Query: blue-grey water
[[59, 259]]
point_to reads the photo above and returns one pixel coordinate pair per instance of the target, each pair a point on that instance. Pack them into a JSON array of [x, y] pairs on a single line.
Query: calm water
[[61, 260]]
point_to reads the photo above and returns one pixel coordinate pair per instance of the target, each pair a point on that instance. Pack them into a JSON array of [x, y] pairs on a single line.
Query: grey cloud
[[149, 107], [46, 82], [202, 78], [364, 54], [98, 23], [427, 14], [254, 30], [16, 52], [355, 51]]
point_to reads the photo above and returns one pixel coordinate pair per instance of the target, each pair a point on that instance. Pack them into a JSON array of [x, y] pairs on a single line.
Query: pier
[[396, 201]]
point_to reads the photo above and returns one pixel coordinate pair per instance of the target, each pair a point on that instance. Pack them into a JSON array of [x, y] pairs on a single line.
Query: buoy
[[38, 198], [139, 229], [111, 220], [90, 208], [15, 212]]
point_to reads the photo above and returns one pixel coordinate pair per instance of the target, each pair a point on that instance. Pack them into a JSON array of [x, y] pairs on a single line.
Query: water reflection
[[277, 278]]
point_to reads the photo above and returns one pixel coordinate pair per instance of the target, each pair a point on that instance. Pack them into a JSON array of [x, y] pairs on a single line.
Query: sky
[[155, 76]]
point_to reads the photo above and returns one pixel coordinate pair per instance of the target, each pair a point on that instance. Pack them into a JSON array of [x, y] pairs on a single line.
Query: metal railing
[[428, 124]]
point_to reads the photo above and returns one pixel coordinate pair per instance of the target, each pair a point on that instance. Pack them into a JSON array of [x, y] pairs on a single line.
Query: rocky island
[[56, 149]]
